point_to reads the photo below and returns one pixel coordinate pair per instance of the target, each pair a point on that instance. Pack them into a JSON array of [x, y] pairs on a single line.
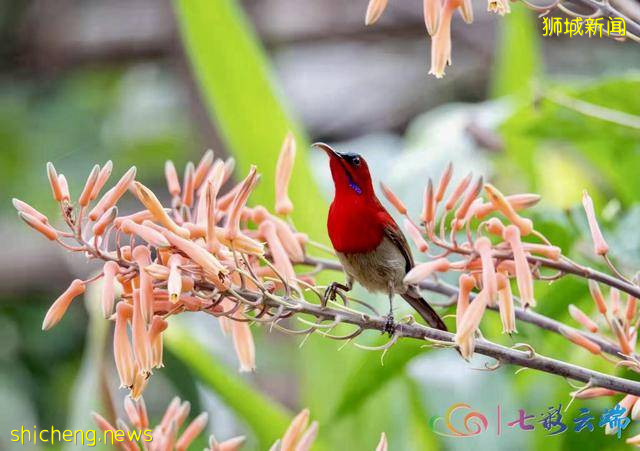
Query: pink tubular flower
[[495, 226], [489, 282], [122, 351], [441, 41], [158, 325], [551, 252], [501, 204], [517, 201], [64, 187], [582, 318], [375, 8], [216, 176], [149, 200], [471, 196], [105, 221], [423, 270], [281, 260], [132, 412], [151, 236], [42, 227], [466, 11], [102, 424], [114, 194], [458, 191], [523, 273], [171, 175], [140, 337], [596, 294], [623, 340], [107, 297], [393, 199], [199, 255], [505, 305], [103, 176], [54, 182], [600, 247], [444, 182], [202, 170], [468, 325], [631, 308], [28, 209], [580, 340], [142, 256], [431, 11], [192, 431], [232, 444], [284, 167], [286, 236], [295, 431], [60, 306], [415, 236], [243, 343], [382, 444], [239, 201], [595, 392], [466, 283], [85, 196], [428, 208], [188, 185], [614, 300]]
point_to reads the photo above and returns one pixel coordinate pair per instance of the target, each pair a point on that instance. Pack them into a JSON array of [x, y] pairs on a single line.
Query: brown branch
[[502, 354], [528, 315]]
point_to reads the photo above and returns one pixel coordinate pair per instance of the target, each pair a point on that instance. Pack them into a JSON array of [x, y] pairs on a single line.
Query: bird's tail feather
[[425, 310]]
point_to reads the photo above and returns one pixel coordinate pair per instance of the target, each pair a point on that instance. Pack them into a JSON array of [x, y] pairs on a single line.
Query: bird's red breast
[[356, 224]]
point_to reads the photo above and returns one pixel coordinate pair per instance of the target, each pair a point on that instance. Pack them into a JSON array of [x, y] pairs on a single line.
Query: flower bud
[[60, 306], [85, 196], [375, 8], [202, 170], [582, 318], [171, 175], [103, 176], [393, 199], [600, 247], [42, 227], [284, 167]]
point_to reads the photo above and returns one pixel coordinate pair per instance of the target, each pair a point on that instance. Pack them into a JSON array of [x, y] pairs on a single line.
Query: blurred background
[[142, 81]]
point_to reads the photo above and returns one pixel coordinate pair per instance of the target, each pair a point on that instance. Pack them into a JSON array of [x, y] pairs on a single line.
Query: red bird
[[370, 245]]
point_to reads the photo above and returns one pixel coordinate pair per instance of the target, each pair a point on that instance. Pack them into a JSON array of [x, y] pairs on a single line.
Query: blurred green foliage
[[97, 114]]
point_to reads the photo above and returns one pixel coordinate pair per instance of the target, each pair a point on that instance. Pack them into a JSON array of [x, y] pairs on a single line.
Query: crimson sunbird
[[368, 242]]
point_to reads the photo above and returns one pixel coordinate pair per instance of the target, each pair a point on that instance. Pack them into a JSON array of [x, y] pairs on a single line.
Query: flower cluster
[[490, 257], [166, 434], [437, 18], [205, 253]]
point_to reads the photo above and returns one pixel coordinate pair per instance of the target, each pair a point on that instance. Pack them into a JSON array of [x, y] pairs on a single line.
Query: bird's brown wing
[[395, 235], [412, 294]]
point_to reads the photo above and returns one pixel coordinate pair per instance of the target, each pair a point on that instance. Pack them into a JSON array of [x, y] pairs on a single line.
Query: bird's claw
[[330, 293], [390, 325]]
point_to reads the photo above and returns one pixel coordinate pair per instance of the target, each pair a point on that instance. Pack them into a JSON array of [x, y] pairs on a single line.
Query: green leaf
[[238, 87], [266, 418], [603, 154], [370, 375], [518, 54]]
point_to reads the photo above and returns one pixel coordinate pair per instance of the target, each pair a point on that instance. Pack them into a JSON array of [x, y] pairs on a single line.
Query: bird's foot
[[331, 292], [390, 325]]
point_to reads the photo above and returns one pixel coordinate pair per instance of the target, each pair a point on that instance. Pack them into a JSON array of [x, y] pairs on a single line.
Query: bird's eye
[[355, 161]]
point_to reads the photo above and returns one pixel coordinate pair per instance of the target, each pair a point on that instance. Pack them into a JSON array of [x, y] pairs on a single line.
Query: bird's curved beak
[[327, 148]]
